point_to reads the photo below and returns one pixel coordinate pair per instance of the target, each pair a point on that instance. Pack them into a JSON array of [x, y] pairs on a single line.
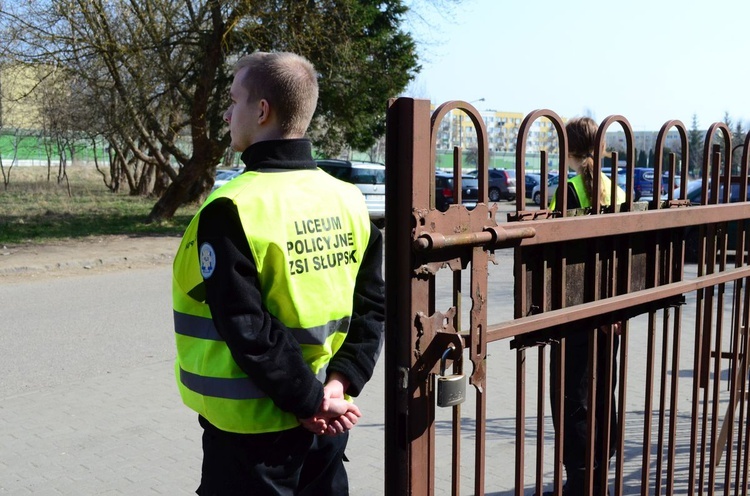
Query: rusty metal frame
[[633, 265]]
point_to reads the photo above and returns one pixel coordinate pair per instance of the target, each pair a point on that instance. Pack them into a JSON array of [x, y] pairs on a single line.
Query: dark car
[[665, 183], [444, 191], [502, 184], [694, 194], [643, 183], [532, 180]]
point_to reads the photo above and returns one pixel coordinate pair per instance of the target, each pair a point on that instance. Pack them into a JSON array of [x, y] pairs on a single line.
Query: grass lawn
[[36, 210]]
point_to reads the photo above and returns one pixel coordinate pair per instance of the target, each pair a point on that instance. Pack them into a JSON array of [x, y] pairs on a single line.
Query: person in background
[[581, 134], [278, 299]]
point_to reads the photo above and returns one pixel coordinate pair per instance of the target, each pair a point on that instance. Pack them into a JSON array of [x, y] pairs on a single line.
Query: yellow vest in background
[[583, 197]]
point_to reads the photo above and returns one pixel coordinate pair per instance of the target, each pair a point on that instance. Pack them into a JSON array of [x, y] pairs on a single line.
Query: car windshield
[[492, 172], [466, 182], [368, 176]]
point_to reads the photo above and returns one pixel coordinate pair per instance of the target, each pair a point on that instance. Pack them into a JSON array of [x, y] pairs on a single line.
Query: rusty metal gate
[[681, 379]]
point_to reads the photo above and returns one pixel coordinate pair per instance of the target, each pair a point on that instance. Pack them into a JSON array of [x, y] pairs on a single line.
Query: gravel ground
[[94, 254]]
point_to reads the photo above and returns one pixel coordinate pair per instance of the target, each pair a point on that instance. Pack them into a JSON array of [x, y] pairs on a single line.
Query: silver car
[[369, 177]]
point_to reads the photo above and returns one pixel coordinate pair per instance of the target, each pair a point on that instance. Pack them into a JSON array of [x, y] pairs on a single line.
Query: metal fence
[[681, 376]]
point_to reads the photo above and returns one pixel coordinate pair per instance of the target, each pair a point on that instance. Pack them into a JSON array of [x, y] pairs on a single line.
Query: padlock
[[451, 389]]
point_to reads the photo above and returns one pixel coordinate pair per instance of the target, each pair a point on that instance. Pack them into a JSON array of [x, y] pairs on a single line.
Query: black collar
[[284, 154]]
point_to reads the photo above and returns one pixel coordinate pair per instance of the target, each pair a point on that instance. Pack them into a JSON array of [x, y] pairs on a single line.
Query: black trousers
[[575, 409], [288, 463]]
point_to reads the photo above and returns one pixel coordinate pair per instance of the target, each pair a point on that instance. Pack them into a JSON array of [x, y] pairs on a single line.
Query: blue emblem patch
[[208, 260]]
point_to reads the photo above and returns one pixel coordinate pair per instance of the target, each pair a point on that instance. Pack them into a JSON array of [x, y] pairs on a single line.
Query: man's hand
[[341, 416], [316, 425], [335, 415]]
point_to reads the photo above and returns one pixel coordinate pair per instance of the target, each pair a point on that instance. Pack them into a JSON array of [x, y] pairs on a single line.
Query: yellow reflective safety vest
[[583, 197], [307, 238]]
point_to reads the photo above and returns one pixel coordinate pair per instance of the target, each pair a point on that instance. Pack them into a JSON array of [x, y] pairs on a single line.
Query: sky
[[648, 60]]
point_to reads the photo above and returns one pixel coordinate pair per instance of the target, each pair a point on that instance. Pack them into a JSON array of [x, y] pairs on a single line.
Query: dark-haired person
[[278, 299], [581, 134]]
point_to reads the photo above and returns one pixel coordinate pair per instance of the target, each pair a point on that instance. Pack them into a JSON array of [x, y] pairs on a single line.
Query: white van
[[369, 177]]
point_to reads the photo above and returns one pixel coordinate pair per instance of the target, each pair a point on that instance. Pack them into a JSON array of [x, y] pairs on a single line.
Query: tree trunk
[[161, 182], [190, 186]]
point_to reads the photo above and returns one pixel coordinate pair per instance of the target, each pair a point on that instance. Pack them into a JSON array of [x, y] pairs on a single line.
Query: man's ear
[[264, 111]]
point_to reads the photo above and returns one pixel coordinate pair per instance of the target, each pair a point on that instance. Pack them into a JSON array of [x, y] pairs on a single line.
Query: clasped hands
[[336, 415]]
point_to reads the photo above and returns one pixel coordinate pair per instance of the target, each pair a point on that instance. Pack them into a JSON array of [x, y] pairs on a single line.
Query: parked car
[[223, 176], [552, 182], [643, 183], [695, 195], [532, 180], [369, 177], [444, 190], [501, 184], [665, 183]]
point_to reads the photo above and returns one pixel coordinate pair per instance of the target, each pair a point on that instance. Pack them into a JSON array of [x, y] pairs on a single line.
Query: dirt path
[[84, 256]]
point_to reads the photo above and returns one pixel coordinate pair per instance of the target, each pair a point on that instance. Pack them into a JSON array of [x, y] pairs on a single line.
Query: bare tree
[[164, 66]]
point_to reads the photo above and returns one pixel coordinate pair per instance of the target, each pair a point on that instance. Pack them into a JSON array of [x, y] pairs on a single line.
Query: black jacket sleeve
[[357, 356], [260, 344]]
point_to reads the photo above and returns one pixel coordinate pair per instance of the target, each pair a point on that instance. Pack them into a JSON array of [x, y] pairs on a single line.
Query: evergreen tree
[[738, 139], [695, 147], [642, 159]]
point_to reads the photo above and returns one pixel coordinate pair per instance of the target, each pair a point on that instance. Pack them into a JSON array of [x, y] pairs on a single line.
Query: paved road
[[88, 404]]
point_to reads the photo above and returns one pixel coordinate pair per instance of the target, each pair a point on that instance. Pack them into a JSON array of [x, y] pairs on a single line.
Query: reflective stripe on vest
[[203, 328], [304, 249], [241, 388]]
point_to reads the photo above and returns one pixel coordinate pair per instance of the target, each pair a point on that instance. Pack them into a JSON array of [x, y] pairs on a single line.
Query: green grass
[[34, 210], [28, 145]]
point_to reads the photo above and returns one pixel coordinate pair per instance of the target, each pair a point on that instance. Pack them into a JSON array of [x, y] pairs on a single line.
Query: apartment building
[[643, 140], [458, 129], [17, 109]]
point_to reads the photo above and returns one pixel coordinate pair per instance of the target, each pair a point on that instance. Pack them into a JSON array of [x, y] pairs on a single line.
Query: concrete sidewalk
[[89, 405]]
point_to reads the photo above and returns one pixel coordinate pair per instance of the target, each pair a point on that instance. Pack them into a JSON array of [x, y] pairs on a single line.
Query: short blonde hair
[[288, 82]]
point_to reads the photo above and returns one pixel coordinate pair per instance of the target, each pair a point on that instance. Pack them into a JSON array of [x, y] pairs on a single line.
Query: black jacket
[[261, 345]]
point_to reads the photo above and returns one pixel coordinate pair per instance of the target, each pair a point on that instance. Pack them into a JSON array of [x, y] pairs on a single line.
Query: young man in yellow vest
[[278, 299]]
